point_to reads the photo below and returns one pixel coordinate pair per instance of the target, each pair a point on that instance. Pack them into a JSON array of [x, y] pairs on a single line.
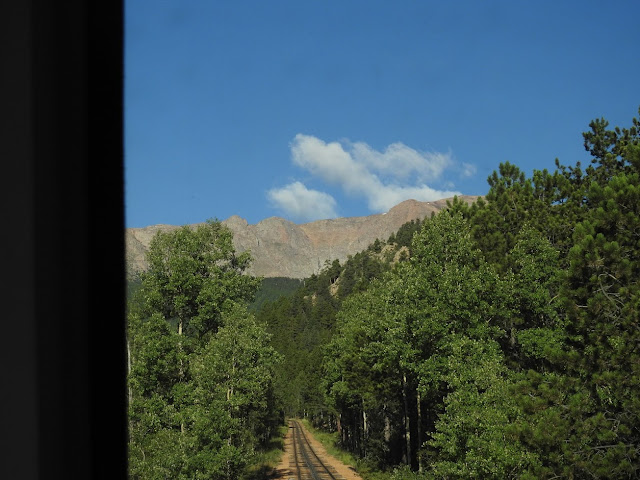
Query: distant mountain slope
[[281, 248]]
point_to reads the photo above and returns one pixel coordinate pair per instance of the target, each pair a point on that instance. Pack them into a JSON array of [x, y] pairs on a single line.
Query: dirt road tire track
[[287, 468]]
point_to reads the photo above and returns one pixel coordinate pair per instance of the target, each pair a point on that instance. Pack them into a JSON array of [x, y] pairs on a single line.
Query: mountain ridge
[[281, 248]]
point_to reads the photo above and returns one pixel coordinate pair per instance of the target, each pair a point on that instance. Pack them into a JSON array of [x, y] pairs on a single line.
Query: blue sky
[[317, 109]]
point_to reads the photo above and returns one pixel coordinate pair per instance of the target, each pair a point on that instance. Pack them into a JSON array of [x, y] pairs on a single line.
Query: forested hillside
[[272, 288], [494, 340]]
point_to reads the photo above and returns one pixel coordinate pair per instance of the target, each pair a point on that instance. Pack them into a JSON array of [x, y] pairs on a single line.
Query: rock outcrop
[[281, 248]]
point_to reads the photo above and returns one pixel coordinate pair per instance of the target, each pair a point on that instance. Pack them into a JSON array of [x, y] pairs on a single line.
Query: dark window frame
[[63, 354]]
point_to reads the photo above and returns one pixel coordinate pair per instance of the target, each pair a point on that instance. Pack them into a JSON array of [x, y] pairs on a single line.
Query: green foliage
[[233, 376], [271, 289], [133, 286], [201, 368], [602, 296], [195, 275], [302, 322], [387, 359], [506, 347], [474, 437], [404, 235], [267, 456]]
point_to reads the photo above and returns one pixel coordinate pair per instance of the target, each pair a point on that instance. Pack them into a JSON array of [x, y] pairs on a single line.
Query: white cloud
[[329, 161], [468, 170], [383, 178], [400, 161], [302, 204]]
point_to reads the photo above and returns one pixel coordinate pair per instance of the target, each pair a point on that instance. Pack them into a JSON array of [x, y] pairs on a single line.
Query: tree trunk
[[364, 430], [407, 420], [180, 348], [387, 425], [181, 365], [231, 379], [419, 430]]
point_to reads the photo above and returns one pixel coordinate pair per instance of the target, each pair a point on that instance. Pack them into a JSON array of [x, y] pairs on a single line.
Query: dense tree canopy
[[201, 367]]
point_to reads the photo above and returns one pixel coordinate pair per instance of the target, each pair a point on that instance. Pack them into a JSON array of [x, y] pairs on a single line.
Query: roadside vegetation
[[267, 457]]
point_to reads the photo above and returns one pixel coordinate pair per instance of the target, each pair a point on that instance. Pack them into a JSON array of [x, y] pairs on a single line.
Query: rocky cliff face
[[281, 248]]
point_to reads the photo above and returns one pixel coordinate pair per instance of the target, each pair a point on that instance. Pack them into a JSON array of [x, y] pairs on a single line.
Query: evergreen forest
[[497, 340]]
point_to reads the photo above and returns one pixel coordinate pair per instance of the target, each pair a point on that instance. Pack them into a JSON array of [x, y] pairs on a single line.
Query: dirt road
[[291, 462]]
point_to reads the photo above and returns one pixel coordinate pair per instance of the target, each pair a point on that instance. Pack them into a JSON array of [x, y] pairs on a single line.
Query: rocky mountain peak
[[281, 248]]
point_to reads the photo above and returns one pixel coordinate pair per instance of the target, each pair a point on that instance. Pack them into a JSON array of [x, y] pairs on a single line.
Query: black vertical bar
[[63, 353]]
